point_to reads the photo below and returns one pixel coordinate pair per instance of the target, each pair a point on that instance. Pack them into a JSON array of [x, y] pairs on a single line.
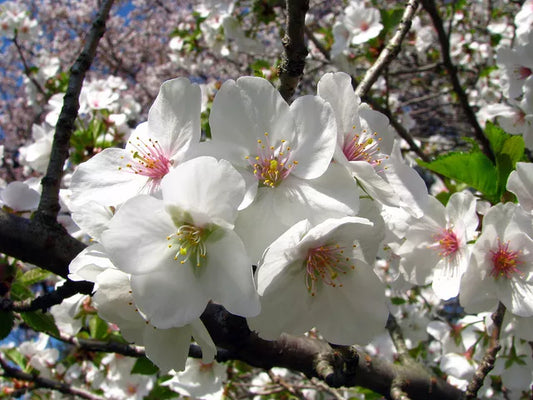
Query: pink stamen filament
[[447, 242], [150, 160], [363, 147], [272, 165], [522, 72], [325, 263], [505, 261]]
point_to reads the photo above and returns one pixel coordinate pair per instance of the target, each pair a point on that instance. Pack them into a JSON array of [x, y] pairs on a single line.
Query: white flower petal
[[205, 186], [174, 118], [316, 136], [136, 240]]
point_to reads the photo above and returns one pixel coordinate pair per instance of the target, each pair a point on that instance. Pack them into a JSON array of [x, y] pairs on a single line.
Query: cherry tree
[[266, 199]]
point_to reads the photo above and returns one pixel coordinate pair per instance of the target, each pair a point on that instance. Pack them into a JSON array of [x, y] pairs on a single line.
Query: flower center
[[363, 147], [447, 242], [272, 164], [149, 159], [504, 261], [325, 263], [191, 244], [522, 72]]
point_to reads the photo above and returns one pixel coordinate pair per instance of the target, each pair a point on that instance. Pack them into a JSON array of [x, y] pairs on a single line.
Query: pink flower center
[[325, 263], [206, 367], [505, 261], [364, 26], [272, 164], [149, 160], [363, 147], [522, 72], [447, 242]]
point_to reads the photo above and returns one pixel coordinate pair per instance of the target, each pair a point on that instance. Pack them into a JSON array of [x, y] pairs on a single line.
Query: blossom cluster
[[304, 218], [180, 222], [314, 194]]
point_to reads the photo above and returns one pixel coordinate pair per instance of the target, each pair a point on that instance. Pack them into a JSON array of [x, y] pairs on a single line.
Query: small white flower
[[435, 247], [284, 154], [501, 267], [320, 278], [199, 380], [155, 147], [359, 25], [181, 251]]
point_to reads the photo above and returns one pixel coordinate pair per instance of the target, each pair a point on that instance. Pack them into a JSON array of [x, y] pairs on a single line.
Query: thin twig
[[423, 68], [487, 363], [45, 383], [103, 346], [431, 8], [396, 335], [390, 52], [27, 69], [49, 204], [317, 43], [400, 129], [293, 59]]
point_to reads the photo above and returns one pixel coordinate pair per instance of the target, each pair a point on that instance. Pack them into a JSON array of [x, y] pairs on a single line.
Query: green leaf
[[20, 291], [40, 322], [144, 366], [14, 355], [443, 197], [507, 149], [397, 301], [161, 393], [6, 323], [34, 275], [98, 328], [390, 18], [474, 168]]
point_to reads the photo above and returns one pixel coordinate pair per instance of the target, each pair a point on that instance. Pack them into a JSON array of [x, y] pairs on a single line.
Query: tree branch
[[31, 241], [390, 52], [68, 289], [27, 69], [487, 363], [40, 382], [49, 204], [400, 129], [293, 60], [431, 8], [336, 365]]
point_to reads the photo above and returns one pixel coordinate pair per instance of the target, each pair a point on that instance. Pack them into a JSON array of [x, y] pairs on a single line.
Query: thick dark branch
[[36, 243], [68, 289], [49, 205], [292, 64], [487, 363], [390, 52], [40, 382], [336, 365], [431, 8]]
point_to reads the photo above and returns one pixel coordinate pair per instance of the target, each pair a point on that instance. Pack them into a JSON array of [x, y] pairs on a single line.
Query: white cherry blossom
[[155, 147], [322, 273], [501, 267], [435, 247], [284, 154], [182, 251]]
